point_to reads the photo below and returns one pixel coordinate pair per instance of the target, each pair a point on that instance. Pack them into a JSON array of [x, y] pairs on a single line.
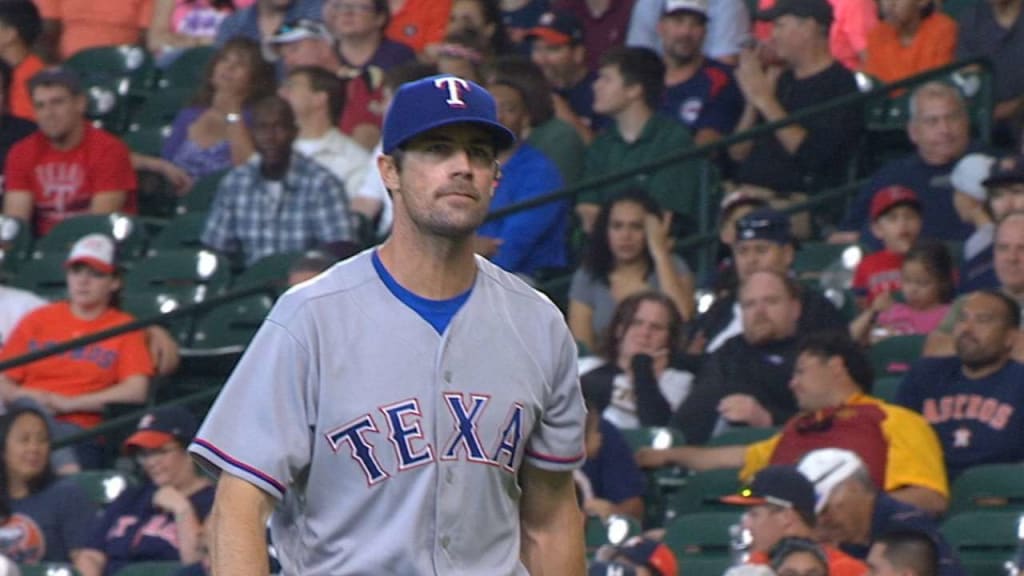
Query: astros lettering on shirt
[[978, 420]]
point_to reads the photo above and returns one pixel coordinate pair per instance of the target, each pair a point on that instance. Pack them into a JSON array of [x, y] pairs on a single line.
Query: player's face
[[682, 35], [626, 236], [939, 129], [273, 131], [167, 465], [761, 255], [58, 112], [878, 564], [27, 447], [801, 564], [611, 94], [89, 288], [446, 180], [812, 382], [352, 18], [898, 228], [511, 108], [769, 312], [1008, 254], [766, 526], [983, 332], [559, 62]]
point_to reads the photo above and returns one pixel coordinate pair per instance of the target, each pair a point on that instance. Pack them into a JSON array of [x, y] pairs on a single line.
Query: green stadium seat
[[894, 355], [614, 531], [230, 326], [988, 487], [15, 244], [984, 540], [701, 534], [159, 109], [150, 569], [814, 257], [653, 437], [103, 486], [702, 491], [269, 269], [886, 387], [129, 63], [148, 304], [47, 569], [704, 565], [188, 276], [182, 233], [187, 71], [45, 276], [146, 140], [200, 197], [742, 436], [126, 230]]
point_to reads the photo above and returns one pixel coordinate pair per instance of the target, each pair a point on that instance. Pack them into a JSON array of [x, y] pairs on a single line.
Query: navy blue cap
[[429, 103], [764, 224], [1006, 171], [160, 426], [780, 485]]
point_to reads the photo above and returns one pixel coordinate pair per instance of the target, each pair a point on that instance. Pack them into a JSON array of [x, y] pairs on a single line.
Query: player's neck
[[431, 267]]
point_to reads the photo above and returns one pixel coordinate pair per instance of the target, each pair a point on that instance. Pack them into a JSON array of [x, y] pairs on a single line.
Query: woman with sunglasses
[[161, 519]]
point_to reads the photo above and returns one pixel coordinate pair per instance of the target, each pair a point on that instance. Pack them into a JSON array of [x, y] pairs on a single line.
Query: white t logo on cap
[[455, 87]]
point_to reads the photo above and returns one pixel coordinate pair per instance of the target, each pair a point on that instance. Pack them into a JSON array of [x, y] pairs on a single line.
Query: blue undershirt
[[437, 313]]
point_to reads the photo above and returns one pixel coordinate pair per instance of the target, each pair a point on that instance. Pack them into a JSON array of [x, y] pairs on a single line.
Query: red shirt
[[63, 182], [601, 32], [878, 273], [364, 104]]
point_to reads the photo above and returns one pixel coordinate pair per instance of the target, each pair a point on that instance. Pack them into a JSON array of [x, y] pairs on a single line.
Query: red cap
[[886, 198]]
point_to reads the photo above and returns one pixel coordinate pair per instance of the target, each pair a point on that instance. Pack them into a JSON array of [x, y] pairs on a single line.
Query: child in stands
[[896, 221]]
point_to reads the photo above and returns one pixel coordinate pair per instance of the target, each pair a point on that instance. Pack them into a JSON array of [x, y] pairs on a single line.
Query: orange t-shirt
[[933, 46], [419, 23], [852, 21], [839, 563], [21, 100], [81, 371], [91, 23]]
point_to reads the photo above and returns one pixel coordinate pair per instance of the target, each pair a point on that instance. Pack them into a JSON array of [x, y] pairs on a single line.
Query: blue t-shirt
[[613, 473], [48, 525], [977, 421], [533, 239], [979, 272], [437, 313], [709, 99], [133, 530]]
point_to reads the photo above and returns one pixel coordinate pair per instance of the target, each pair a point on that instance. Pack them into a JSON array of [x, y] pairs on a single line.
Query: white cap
[[750, 570], [696, 6], [827, 468], [96, 250], [970, 172]]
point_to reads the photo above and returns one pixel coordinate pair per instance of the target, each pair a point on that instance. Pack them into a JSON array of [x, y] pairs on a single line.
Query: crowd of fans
[[287, 116]]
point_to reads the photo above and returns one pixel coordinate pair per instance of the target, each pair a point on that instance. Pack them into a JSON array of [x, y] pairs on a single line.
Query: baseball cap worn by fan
[[699, 7], [656, 556], [161, 426], [970, 174], [558, 28], [95, 250], [818, 10], [887, 198], [779, 485], [764, 224], [1006, 171], [827, 468], [437, 101], [300, 30], [57, 76]]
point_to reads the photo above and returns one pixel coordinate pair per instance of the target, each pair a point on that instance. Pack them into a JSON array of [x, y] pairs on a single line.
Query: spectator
[[780, 509], [745, 382], [178, 25], [763, 243], [604, 25], [640, 387], [928, 283], [938, 128], [462, 54], [700, 92], [67, 167], [534, 240], [734, 207], [518, 18], [913, 37], [852, 511], [628, 90], [728, 28], [896, 221], [557, 47], [42, 518], [418, 23], [309, 266], [628, 252], [832, 382], [484, 18], [799, 557], [13, 128], [212, 134], [70, 26], [970, 200], [358, 27], [317, 98], [904, 553], [1006, 187], [159, 520], [642, 556], [77, 386], [279, 201], [264, 17], [555, 138], [813, 154], [20, 18], [972, 400]]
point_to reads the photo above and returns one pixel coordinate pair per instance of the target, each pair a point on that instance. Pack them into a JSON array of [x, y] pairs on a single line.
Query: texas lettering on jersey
[[400, 424]]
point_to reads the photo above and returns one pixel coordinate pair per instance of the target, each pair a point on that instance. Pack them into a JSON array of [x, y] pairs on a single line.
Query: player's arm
[[237, 528], [18, 204], [552, 525], [693, 457], [108, 201]]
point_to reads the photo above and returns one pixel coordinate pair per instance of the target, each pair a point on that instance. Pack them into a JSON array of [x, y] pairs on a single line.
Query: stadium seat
[[129, 63], [187, 70], [987, 487], [200, 197], [47, 569], [181, 233], [15, 243], [744, 436], [616, 530], [188, 276], [103, 486], [702, 534], [230, 326], [150, 569], [984, 540], [159, 109], [126, 230], [702, 491], [146, 140], [886, 387], [893, 356], [704, 565], [653, 437], [269, 269], [45, 276], [814, 257], [148, 304]]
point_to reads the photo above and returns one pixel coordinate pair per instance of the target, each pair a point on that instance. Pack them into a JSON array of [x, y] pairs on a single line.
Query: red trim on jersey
[[241, 465], [556, 459]]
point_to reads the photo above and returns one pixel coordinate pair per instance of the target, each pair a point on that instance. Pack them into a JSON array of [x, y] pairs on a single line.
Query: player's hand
[[652, 458], [744, 408], [656, 230], [171, 500]]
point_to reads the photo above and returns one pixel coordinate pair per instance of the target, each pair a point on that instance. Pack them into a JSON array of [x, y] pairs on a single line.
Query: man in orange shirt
[[418, 23], [781, 505], [913, 37], [20, 26], [73, 25]]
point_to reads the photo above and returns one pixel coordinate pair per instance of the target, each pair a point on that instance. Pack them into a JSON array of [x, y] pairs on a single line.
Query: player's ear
[[388, 171]]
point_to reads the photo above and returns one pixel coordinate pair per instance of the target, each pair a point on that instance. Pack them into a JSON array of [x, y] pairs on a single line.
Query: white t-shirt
[[373, 188], [339, 154], [14, 305]]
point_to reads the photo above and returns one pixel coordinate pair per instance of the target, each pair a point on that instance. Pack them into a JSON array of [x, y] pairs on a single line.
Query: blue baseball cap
[[437, 101], [764, 224]]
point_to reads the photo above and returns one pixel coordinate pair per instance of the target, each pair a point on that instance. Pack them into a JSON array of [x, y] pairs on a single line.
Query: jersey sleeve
[[757, 456], [915, 456], [557, 441], [260, 427]]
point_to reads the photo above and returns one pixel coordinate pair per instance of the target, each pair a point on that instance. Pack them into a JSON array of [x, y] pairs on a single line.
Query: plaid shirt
[[247, 217]]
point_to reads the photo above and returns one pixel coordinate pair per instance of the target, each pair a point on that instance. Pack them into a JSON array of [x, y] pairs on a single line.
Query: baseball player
[[415, 409]]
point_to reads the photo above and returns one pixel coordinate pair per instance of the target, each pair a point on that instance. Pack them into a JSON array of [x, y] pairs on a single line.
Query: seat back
[[44, 276], [742, 436], [893, 356], [150, 569], [702, 534], [127, 231], [200, 197], [983, 540], [188, 276], [182, 233], [702, 491], [103, 486], [988, 486]]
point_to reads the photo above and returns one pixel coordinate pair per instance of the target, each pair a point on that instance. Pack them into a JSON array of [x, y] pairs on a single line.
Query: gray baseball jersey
[[393, 449]]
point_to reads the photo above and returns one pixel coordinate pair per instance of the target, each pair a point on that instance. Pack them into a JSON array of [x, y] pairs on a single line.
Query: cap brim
[[740, 500], [1003, 180], [147, 440], [549, 35], [693, 11], [503, 137], [100, 265]]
